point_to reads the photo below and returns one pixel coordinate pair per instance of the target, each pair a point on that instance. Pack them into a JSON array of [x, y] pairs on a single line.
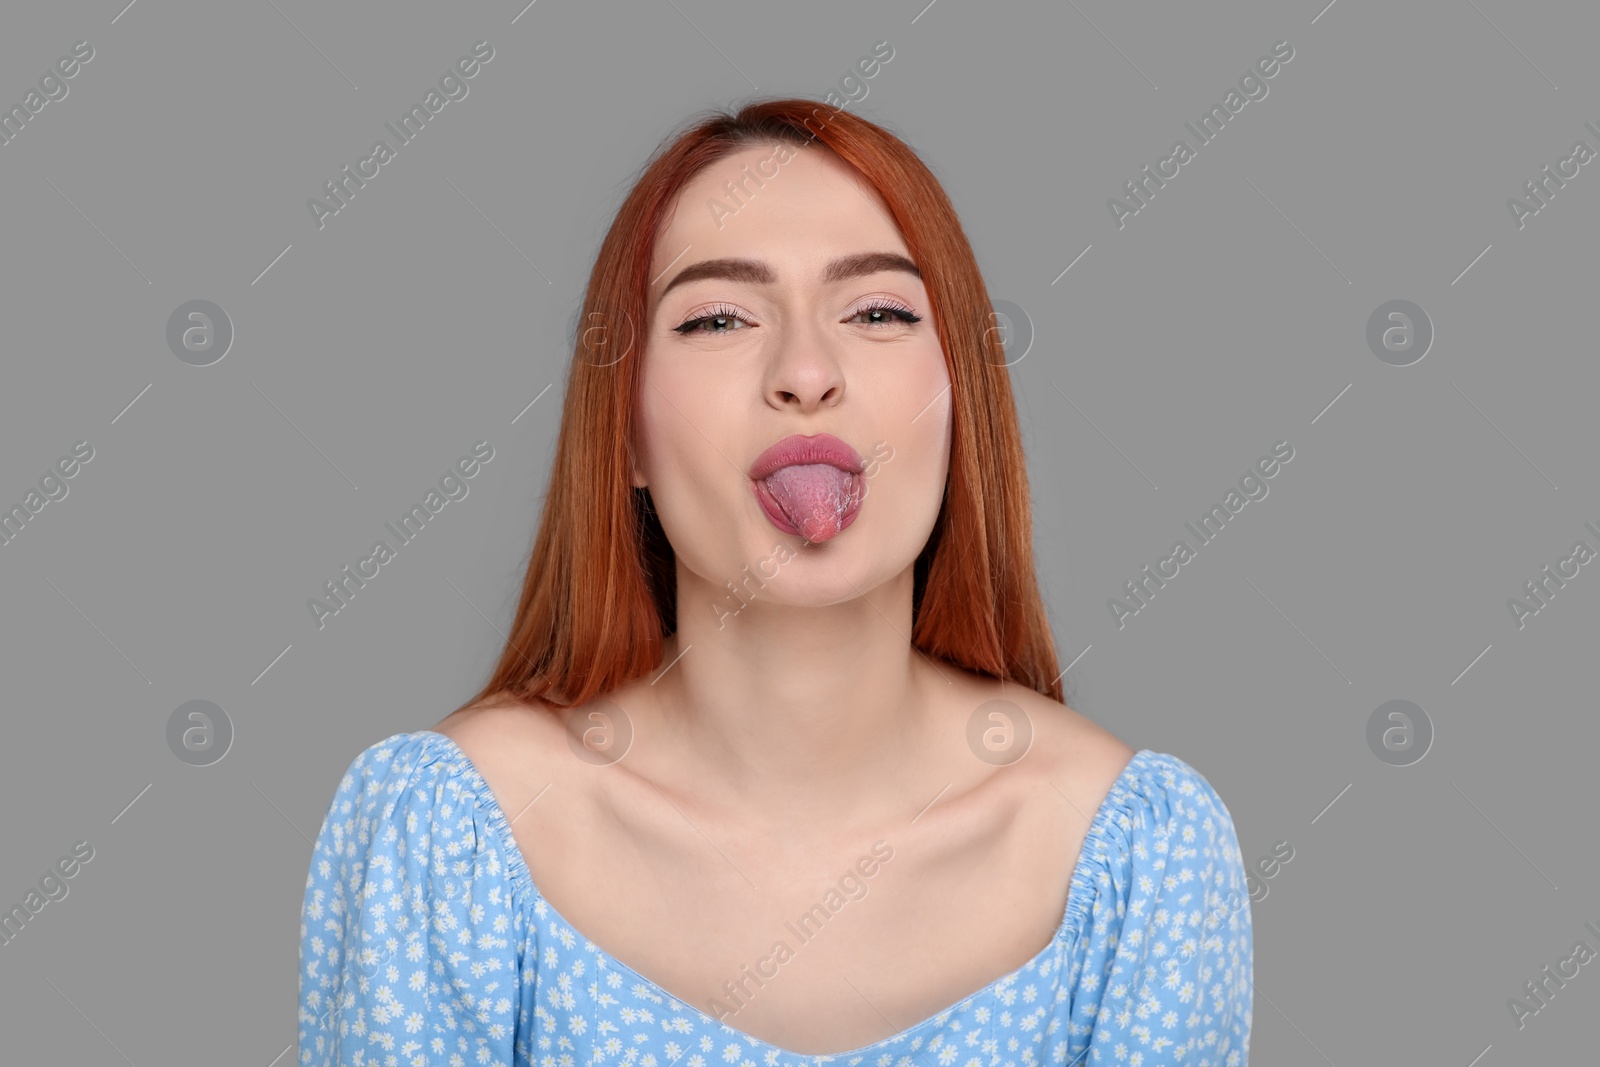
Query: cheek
[[684, 416], [662, 445], [924, 394], [664, 400], [685, 455], [927, 376], [910, 458]]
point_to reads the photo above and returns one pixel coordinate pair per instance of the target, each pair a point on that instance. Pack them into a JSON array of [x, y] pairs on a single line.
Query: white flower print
[[424, 940]]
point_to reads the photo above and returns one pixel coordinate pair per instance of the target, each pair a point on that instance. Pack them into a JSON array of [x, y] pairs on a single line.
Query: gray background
[[1227, 315]]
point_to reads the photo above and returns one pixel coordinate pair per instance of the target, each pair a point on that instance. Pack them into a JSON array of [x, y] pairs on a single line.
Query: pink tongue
[[815, 497]]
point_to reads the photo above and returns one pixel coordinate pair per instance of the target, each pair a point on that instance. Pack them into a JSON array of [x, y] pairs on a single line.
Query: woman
[[775, 763]]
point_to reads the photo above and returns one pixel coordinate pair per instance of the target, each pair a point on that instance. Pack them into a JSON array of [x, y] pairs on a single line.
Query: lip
[[799, 448]]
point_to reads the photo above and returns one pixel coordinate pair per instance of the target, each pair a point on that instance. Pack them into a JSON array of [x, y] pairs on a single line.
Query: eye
[[883, 310], [720, 319]]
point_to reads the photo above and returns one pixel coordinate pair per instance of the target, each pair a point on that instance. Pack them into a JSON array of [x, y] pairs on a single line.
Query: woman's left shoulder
[[1080, 756], [1072, 753]]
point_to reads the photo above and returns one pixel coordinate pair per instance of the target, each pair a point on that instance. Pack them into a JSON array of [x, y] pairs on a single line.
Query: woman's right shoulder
[[414, 905], [396, 771], [421, 791], [470, 744], [508, 740]]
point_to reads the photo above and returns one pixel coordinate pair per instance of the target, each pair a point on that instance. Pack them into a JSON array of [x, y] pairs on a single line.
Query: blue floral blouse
[[423, 940]]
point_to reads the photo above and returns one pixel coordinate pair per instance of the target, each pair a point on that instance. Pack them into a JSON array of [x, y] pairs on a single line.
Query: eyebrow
[[756, 272]]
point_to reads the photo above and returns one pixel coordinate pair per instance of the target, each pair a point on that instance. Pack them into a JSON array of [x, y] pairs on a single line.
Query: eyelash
[[722, 311]]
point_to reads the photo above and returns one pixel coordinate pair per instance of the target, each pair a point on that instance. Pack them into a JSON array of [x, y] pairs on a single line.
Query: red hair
[[600, 591]]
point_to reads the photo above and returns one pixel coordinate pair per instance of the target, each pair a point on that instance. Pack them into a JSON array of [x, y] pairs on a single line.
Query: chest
[[813, 949]]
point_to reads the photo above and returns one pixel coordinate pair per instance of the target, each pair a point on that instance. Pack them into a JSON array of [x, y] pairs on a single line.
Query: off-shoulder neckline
[[1070, 926]]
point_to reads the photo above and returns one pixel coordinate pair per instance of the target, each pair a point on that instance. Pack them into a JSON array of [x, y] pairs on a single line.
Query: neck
[[810, 713]]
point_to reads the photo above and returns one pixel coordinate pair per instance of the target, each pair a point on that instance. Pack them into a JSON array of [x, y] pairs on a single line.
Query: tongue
[[815, 497]]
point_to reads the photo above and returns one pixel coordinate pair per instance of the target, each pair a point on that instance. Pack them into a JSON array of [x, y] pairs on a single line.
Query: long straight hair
[[600, 591]]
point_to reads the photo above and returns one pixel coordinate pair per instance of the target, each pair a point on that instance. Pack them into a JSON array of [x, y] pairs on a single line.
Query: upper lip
[[799, 448]]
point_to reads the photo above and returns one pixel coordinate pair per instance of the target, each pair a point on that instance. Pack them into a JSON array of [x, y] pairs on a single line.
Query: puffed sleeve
[[407, 954], [1165, 960]]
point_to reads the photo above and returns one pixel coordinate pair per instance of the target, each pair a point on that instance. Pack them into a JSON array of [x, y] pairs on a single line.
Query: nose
[[805, 373]]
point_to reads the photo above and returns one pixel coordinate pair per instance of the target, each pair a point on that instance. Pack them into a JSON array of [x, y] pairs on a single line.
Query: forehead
[[796, 215]]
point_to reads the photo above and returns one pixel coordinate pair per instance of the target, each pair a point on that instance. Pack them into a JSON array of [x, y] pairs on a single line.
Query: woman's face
[[780, 309]]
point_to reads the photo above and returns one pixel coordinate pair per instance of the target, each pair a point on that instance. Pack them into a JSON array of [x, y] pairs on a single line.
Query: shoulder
[[1083, 759], [1052, 746], [410, 792], [409, 872], [397, 762], [511, 742], [1077, 753], [1139, 795], [1180, 798], [500, 722], [412, 816], [1163, 818]]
